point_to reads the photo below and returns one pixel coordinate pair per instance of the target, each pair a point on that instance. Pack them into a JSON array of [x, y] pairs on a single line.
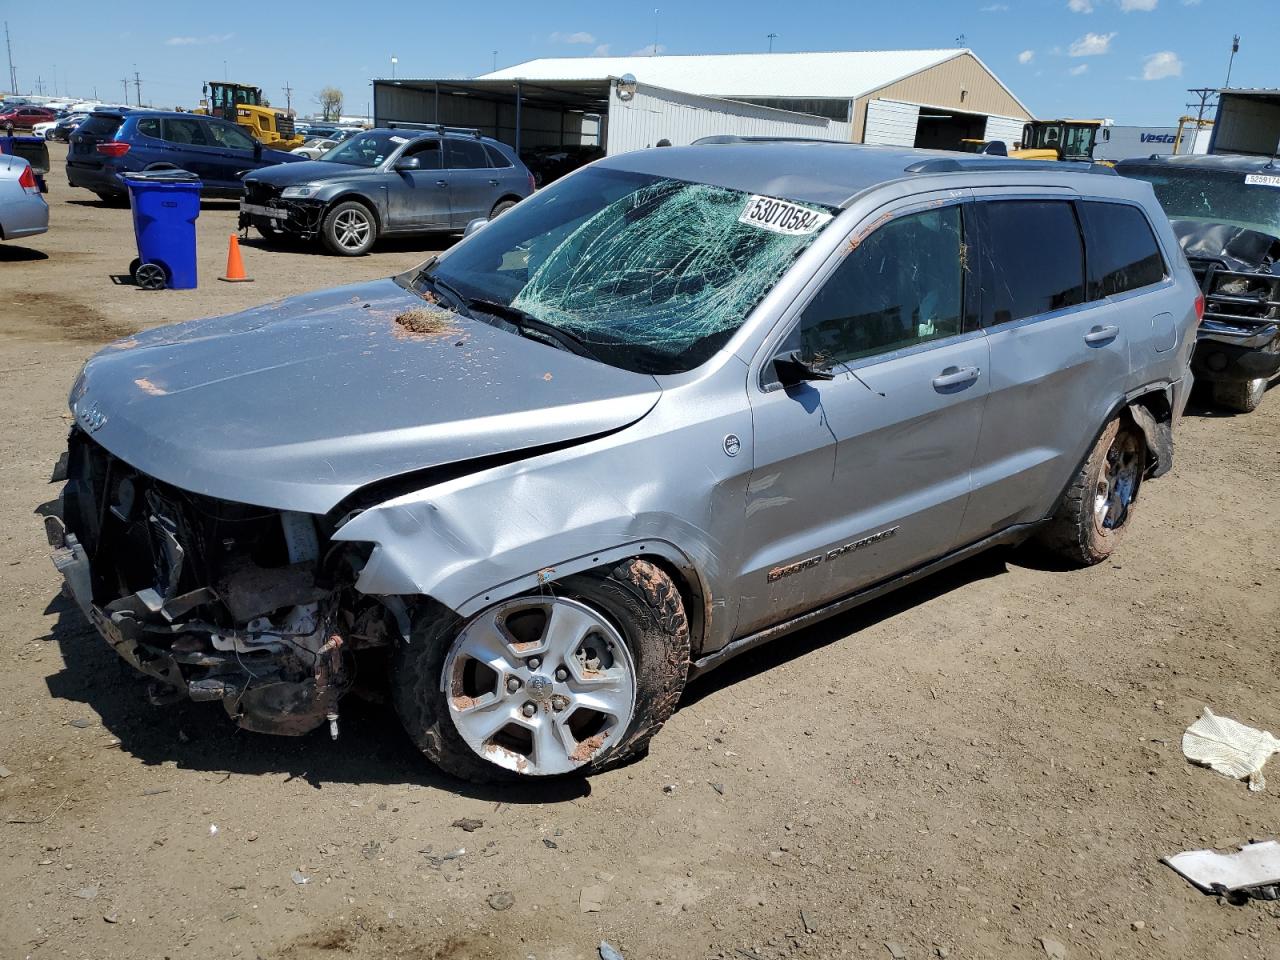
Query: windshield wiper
[[458, 297], [526, 323]]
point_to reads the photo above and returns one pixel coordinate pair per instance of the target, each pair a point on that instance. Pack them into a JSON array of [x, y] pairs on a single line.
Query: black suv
[[1225, 212]]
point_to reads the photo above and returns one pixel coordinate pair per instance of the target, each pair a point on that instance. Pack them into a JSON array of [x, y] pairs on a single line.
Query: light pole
[[394, 61], [1235, 48]]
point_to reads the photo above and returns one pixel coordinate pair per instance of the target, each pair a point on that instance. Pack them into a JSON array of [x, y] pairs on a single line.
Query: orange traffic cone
[[235, 266]]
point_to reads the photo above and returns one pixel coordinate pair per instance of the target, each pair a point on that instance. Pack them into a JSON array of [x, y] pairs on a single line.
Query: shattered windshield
[[366, 149], [1216, 197], [649, 273]]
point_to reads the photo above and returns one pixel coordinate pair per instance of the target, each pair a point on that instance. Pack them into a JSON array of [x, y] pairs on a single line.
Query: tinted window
[[149, 127], [904, 284], [230, 136], [496, 157], [1033, 259], [466, 154], [1123, 254], [428, 153], [100, 126], [184, 131]]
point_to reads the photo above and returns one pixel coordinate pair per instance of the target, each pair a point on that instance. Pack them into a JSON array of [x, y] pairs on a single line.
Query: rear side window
[[1033, 259], [902, 286], [1123, 254], [185, 131], [496, 157], [101, 127], [465, 155], [149, 127]]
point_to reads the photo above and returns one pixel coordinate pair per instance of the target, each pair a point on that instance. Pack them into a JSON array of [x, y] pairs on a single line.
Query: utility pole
[[55, 79], [495, 61], [1206, 94], [125, 81], [288, 97], [772, 37], [13, 76], [656, 11], [40, 85], [1235, 48], [137, 86]]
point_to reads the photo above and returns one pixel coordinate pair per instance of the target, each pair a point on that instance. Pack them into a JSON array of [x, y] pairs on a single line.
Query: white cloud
[[1092, 45], [1143, 6], [1161, 65], [601, 51], [1079, 69], [1026, 56], [580, 36], [198, 41], [649, 51], [1080, 6]]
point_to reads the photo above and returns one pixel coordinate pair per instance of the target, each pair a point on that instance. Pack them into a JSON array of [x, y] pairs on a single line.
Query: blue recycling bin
[[165, 206]]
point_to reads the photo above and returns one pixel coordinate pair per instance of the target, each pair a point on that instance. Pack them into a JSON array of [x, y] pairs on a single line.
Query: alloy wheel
[[351, 228], [540, 685], [1118, 481]]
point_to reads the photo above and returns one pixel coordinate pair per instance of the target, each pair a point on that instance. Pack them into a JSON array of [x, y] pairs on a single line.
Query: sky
[[1130, 60]]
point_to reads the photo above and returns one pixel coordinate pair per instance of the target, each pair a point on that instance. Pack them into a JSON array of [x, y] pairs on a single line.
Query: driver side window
[[900, 286], [427, 152]]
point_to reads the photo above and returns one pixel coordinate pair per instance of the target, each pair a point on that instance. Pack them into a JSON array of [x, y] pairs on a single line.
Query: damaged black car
[[1225, 211]]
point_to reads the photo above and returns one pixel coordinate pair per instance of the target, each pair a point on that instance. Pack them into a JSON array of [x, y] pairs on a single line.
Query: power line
[[13, 76]]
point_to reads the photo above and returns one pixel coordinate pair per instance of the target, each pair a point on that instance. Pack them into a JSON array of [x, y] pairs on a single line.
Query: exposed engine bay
[[217, 600], [1236, 268]]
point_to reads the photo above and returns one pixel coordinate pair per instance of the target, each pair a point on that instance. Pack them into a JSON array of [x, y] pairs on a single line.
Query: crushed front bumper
[[300, 218], [1227, 352]]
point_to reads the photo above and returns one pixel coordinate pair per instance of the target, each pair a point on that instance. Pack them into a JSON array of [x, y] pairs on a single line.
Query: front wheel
[[1097, 507], [349, 229], [1243, 396], [573, 679]]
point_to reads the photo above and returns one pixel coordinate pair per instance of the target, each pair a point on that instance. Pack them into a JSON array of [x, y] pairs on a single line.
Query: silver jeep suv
[[675, 405]]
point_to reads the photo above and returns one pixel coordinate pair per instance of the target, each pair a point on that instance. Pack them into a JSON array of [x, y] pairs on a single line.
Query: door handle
[[1102, 334], [442, 183], [956, 377], [493, 183]]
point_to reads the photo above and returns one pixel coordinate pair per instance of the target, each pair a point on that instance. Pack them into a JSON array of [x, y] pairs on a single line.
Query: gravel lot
[[990, 758]]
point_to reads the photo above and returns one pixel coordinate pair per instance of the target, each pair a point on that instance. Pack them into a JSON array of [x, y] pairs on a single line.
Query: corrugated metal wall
[[941, 86], [1008, 129], [539, 126], [892, 122], [655, 114], [1246, 124]]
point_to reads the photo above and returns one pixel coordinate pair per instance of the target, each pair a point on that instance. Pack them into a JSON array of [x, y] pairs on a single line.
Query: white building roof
[[840, 74]]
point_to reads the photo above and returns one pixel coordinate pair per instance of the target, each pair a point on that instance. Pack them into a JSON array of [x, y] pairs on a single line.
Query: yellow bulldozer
[[245, 105], [1061, 139]]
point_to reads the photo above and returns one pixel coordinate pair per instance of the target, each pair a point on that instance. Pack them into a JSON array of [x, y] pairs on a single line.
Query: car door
[[236, 152], [190, 149], [473, 184], [418, 198], [1059, 361], [865, 475]]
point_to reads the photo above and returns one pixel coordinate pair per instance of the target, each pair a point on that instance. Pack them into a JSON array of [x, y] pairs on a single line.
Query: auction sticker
[[781, 216], [1264, 179]]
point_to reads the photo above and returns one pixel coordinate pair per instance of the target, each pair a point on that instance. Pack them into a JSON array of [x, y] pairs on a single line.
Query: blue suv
[[110, 143]]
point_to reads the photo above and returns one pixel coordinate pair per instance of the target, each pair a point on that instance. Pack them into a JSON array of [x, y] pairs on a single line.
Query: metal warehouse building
[[922, 98]]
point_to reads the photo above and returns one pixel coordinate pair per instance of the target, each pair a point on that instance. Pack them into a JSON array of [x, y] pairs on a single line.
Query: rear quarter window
[[1123, 253], [149, 127], [100, 126], [1032, 259], [496, 157]]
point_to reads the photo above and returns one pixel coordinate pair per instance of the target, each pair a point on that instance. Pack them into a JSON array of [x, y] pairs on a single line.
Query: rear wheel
[[1096, 508], [549, 684], [1243, 396], [501, 207], [349, 229]]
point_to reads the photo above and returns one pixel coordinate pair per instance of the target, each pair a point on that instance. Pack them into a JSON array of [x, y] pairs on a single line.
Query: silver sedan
[[23, 212]]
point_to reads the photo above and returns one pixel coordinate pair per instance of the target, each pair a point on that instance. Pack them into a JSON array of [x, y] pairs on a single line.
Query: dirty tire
[[1242, 396], [349, 229], [641, 601], [1074, 532], [501, 207]]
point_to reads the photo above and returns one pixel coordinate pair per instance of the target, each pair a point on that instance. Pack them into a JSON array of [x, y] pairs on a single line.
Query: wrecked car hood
[[296, 404], [306, 171], [1249, 251]]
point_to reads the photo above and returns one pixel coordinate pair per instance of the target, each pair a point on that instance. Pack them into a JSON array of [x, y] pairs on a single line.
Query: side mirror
[[791, 370], [474, 226], [408, 163], [257, 149]]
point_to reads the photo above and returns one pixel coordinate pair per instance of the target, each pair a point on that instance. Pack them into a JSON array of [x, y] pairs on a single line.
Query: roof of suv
[[1206, 161], [825, 172]]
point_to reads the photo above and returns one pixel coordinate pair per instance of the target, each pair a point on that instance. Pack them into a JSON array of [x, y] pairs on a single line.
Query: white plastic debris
[[1253, 865], [1230, 748]]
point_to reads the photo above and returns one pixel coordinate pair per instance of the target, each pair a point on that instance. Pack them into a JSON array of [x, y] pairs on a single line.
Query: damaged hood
[[297, 404], [307, 171], [1242, 249]]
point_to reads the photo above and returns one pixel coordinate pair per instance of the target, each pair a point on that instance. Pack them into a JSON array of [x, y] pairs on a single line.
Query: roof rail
[[435, 127], [997, 165], [734, 138]]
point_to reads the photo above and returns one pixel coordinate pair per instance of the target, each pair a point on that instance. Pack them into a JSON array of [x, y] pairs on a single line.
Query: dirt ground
[[990, 758]]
